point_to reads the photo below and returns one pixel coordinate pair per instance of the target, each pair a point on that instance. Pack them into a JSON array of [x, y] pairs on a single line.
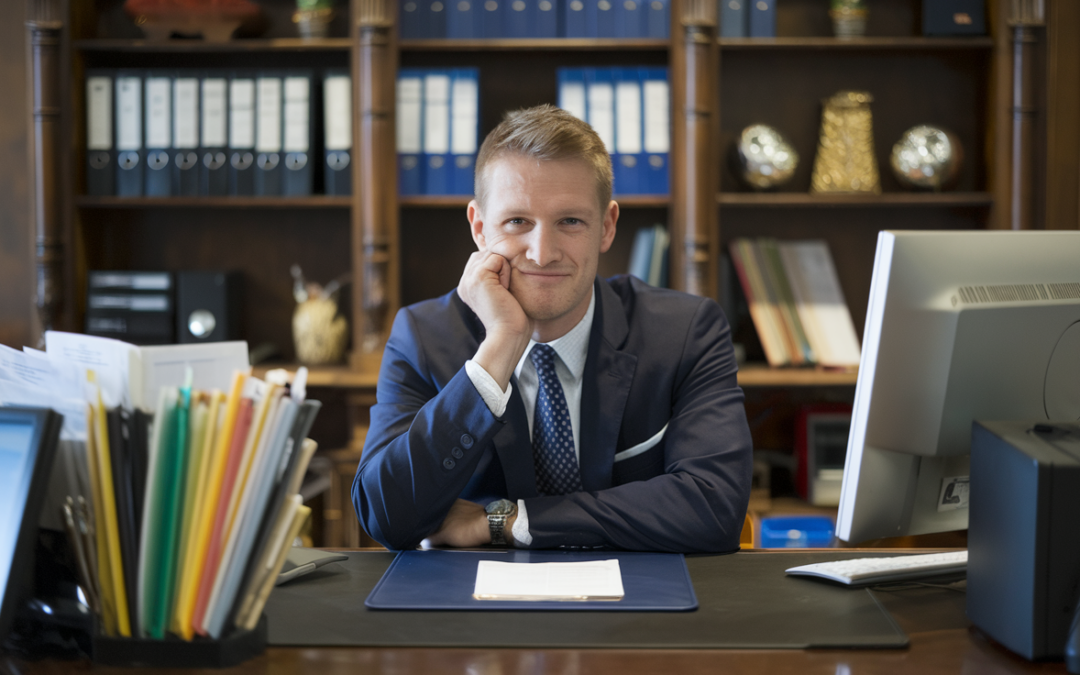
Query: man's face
[[544, 217]]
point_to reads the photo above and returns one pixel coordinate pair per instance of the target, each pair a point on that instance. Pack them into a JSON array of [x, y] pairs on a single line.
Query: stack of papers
[[570, 581]]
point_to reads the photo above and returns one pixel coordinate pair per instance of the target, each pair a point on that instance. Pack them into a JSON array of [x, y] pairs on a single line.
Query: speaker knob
[[201, 323]]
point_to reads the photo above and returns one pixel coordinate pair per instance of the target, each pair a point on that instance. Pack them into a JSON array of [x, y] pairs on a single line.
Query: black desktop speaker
[[954, 17], [1023, 575], [208, 306]]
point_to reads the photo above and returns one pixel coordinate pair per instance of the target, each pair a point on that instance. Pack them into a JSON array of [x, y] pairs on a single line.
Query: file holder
[[172, 652]]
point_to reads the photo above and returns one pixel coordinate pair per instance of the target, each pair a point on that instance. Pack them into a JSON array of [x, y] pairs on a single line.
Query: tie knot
[[543, 357]]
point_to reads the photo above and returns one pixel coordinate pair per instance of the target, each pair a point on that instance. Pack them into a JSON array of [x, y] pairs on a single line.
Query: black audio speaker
[[208, 306]]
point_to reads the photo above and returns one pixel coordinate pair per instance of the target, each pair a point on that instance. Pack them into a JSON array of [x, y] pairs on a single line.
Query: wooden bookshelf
[[884, 200], [238, 202]]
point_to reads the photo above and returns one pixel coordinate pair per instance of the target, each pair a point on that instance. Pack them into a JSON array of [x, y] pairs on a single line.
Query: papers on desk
[[570, 581]]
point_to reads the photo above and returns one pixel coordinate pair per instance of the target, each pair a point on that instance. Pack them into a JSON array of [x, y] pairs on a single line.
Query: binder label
[[296, 115], [213, 113], [186, 113], [99, 113], [268, 128], [242, 114], [338, 95], [466, 99], [657, 124], [628, 110], [158, 128], [437, 114], [602, 113], [129, 117], [409, 115]]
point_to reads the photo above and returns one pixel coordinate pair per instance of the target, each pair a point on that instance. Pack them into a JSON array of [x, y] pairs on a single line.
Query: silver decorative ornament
[[766, 160], [926, 157]]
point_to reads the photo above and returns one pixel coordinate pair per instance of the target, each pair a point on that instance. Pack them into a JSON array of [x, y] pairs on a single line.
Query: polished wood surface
[[532, 45], [886, 199], [234, 202], [761, 375], [941, 641], [857, 43]]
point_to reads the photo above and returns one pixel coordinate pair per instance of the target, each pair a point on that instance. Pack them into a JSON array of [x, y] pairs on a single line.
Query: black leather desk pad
[[746, 602]]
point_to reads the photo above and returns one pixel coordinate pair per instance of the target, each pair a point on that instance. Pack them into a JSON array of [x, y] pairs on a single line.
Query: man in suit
[[540, 406]]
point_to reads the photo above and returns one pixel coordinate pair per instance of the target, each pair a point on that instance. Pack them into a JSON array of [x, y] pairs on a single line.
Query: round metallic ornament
[[766, 160], [926, 157]]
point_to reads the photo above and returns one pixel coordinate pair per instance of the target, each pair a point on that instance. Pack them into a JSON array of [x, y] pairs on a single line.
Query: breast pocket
[[641, 462]]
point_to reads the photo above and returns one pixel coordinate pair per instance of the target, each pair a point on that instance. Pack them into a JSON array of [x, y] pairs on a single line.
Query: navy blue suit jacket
[[656, 357]]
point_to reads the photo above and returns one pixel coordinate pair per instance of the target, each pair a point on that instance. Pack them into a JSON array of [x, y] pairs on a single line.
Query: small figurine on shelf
[[213, 20], [845, 160], [849, 18], [319, 332], [927, 158], [312, 17]]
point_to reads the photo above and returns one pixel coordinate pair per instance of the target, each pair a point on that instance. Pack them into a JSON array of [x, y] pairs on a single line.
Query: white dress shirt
[[572, 350]]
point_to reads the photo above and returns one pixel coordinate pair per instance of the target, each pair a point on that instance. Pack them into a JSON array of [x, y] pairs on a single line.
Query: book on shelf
[[796, 302]]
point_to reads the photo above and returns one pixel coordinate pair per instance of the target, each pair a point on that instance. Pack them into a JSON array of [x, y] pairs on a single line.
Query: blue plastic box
[[796, 532]]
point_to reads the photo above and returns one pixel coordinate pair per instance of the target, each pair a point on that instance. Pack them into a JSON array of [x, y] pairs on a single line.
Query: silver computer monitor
[[960, 326]]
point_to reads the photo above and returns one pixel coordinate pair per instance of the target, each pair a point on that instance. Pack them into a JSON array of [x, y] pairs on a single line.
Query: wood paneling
[[1063, 116], [16, 249]]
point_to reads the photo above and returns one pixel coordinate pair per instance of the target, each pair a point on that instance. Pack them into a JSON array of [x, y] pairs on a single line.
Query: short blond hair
[[545, 133]]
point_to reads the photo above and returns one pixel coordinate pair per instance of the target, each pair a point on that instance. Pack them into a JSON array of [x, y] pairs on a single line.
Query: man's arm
[[699, 503]]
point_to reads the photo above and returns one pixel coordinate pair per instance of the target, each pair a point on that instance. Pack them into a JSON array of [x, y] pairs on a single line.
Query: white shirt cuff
[[521, 526], [489, 390]]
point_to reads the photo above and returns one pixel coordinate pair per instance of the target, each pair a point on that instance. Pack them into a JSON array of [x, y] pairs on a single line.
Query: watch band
[[497, 526]]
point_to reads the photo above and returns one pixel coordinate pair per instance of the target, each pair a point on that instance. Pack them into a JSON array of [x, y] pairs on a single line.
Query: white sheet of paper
[[589, 580]]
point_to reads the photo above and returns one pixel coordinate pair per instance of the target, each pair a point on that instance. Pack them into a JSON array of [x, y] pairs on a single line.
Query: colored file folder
[[214, 139], [410, 124], [656, 94], [241, 136], [158, 115], [129, 135], [100, 152], [185, 167], [437, 132], [268, 160], [628, 132], [297, 173], [464, 129], [337, 128]]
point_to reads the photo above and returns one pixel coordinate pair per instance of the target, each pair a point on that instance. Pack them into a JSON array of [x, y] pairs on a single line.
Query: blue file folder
[[658, 19], [463, 19], [574, 23], [444, 580]]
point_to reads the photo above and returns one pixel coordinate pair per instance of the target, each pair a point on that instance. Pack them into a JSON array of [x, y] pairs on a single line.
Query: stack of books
[[796, 302]]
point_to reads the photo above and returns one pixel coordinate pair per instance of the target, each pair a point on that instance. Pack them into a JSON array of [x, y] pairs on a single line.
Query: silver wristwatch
[[498, 512]]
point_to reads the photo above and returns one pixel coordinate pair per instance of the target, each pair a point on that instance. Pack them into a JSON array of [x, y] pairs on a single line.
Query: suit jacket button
[[449, 463], [466, 441], [457, 453]]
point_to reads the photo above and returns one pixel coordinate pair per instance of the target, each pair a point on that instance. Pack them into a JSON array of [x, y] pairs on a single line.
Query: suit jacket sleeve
[[699, 501], [427, 434]]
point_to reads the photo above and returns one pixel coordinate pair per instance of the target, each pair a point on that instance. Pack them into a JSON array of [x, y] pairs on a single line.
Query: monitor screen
[[960, 326], [28, 439]]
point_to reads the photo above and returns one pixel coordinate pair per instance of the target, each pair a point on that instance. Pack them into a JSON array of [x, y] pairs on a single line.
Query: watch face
[[501, 507]]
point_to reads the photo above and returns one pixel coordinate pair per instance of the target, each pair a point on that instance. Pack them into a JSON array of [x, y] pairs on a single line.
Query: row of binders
[[177, 133], [438, 127], [471, 19], [194, 512], [796, 302], [747, 18], [629, 108]]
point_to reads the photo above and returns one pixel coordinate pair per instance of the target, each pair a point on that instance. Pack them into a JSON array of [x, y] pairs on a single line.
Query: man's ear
[[476, 225], [611, 217]]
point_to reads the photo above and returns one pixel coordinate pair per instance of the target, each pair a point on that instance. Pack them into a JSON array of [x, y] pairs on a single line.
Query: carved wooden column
[[1028, 147], [695, 65], [44, 27], [375, 212]]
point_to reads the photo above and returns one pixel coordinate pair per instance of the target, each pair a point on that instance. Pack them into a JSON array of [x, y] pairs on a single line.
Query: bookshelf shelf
[[454, 201], [196, 46], [855, 44], [888, 199], [312, 202], [544, 45], [762, 375]]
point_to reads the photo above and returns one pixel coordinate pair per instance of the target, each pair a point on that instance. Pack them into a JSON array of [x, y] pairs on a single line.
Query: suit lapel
[[605, 388]]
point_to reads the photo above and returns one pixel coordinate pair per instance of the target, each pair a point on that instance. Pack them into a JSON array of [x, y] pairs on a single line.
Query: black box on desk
[[954, 17], [135, 307], [208, 306], [1023, 544]]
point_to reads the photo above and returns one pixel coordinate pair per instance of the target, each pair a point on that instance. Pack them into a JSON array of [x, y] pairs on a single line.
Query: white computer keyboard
[[864, 571]]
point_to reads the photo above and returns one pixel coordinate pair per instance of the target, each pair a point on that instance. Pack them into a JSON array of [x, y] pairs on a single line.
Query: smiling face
[[544, 217]]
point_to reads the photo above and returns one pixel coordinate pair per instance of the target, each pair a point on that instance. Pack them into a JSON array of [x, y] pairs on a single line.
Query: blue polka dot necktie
[[553, 438]]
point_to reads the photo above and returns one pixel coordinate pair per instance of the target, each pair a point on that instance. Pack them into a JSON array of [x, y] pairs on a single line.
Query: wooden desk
[[941, 641]]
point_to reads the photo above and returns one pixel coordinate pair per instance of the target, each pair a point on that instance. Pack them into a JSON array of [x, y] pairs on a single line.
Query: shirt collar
[[572, 348]]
